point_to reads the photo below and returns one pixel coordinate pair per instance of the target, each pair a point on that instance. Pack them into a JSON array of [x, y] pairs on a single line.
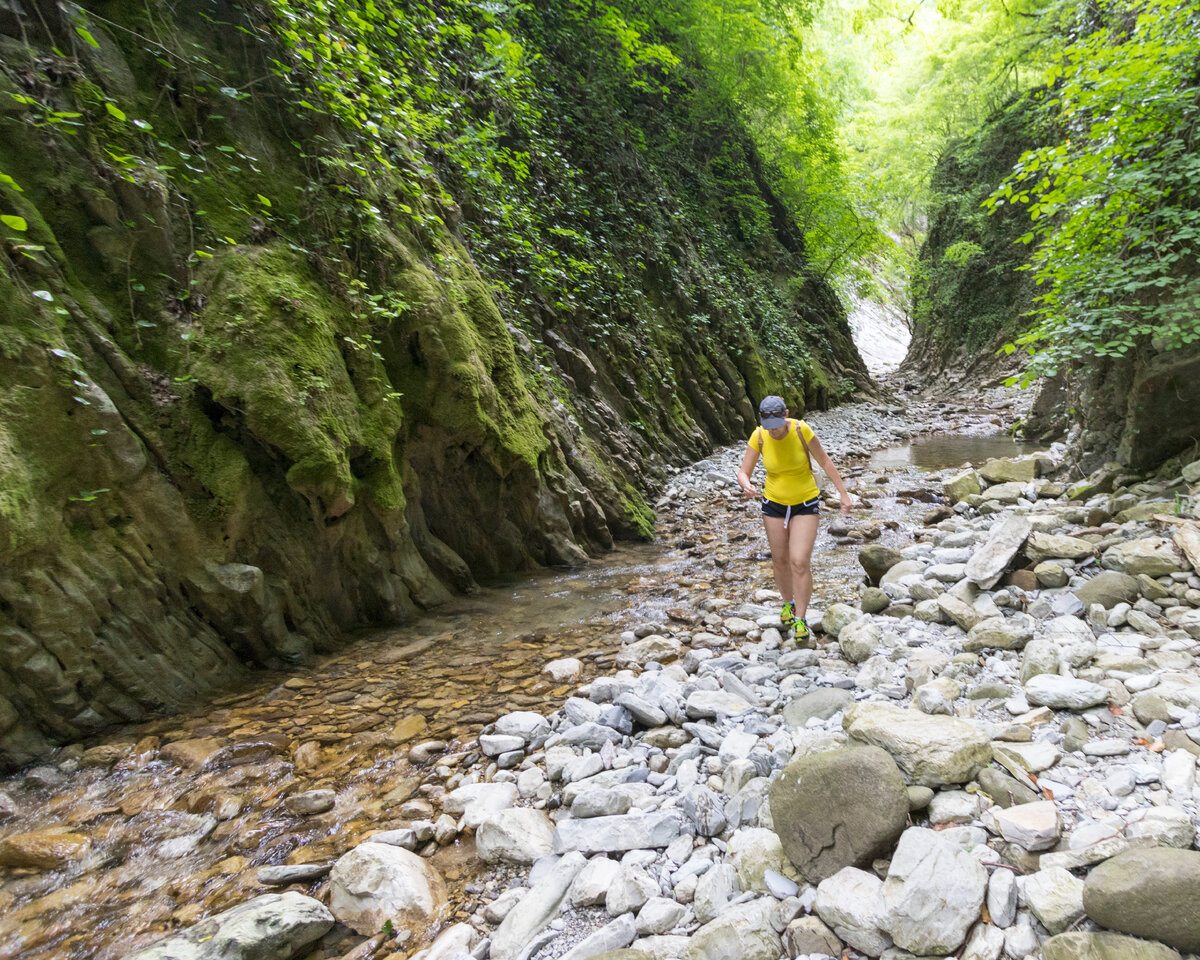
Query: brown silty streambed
[[143, 801]]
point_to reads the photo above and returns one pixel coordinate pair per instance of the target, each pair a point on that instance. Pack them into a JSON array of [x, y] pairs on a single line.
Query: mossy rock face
[[254, 404]]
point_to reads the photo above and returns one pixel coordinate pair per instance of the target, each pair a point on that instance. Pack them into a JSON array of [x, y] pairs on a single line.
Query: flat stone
[[933, 751], [1033, 826], [42, 850], [1064, 693], [821, 703], [617, 834], [1108, 589], [515, 835], [1153, 556]]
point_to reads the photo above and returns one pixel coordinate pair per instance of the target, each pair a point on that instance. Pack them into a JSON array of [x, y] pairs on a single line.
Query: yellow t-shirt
[[789, 478]]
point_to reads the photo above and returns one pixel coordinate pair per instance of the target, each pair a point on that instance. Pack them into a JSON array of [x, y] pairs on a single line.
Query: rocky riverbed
[[662, 804]]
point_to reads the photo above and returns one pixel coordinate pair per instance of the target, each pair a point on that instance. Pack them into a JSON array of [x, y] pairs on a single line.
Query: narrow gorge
[[374, 582]]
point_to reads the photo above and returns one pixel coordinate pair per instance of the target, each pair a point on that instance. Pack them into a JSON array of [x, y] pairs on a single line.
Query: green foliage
[[966, 289], [1115, 201]]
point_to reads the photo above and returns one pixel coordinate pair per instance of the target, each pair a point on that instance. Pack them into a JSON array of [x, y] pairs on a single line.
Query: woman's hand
[[750, 493], [847, 504]]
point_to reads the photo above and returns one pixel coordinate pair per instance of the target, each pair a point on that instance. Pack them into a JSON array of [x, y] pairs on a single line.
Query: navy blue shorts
[[780, 510]]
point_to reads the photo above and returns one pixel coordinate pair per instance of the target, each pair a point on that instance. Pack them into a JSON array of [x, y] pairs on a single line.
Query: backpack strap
[[804, 444]]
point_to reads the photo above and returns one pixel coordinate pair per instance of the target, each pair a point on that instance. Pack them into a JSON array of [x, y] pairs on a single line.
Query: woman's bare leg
[[802, 534], [777, 537]]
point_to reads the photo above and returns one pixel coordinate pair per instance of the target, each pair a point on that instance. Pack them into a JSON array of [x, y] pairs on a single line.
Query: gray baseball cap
[[772, 413]]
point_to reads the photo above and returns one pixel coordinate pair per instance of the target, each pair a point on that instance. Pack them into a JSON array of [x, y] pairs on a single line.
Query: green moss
[[638, 511], [269, 348]]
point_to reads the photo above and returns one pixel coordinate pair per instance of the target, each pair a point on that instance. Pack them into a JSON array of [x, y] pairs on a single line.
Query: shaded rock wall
[[320, 421]]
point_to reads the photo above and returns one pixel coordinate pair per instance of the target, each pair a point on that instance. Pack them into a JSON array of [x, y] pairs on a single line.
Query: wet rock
[[515, 835], [932, 751], [256, 750], [191, 754], [1149, 893], [376, 883], [933, 893], [270, 926], [311, 803], [42, 850], [282, 876], [837, 809]]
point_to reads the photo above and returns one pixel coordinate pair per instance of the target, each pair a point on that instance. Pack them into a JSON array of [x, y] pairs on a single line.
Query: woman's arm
[[744, 471], [831, 471]]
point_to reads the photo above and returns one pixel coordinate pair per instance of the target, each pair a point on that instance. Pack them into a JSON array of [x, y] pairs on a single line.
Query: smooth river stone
[[1149, 893], [273, 925], [1064, 693], [617, 834]]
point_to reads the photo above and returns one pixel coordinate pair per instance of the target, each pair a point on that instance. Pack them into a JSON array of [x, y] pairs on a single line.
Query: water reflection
[[951, 450]]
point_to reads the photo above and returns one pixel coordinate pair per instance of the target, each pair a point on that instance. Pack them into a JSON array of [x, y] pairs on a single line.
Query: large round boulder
[[1108, 589], [375, 883], [1149, 893], [842, 808]]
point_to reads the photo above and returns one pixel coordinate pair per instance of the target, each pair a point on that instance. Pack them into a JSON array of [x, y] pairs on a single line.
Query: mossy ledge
[[239, 419]]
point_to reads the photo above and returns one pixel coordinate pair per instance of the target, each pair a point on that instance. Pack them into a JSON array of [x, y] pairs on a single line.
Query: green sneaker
[[787, 616], [801, 632]]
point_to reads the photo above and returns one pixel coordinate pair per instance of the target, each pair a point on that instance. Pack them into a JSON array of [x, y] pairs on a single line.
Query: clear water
[[951, 450]]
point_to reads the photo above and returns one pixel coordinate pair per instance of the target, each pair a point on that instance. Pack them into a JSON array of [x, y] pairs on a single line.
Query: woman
[[791, 499]]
